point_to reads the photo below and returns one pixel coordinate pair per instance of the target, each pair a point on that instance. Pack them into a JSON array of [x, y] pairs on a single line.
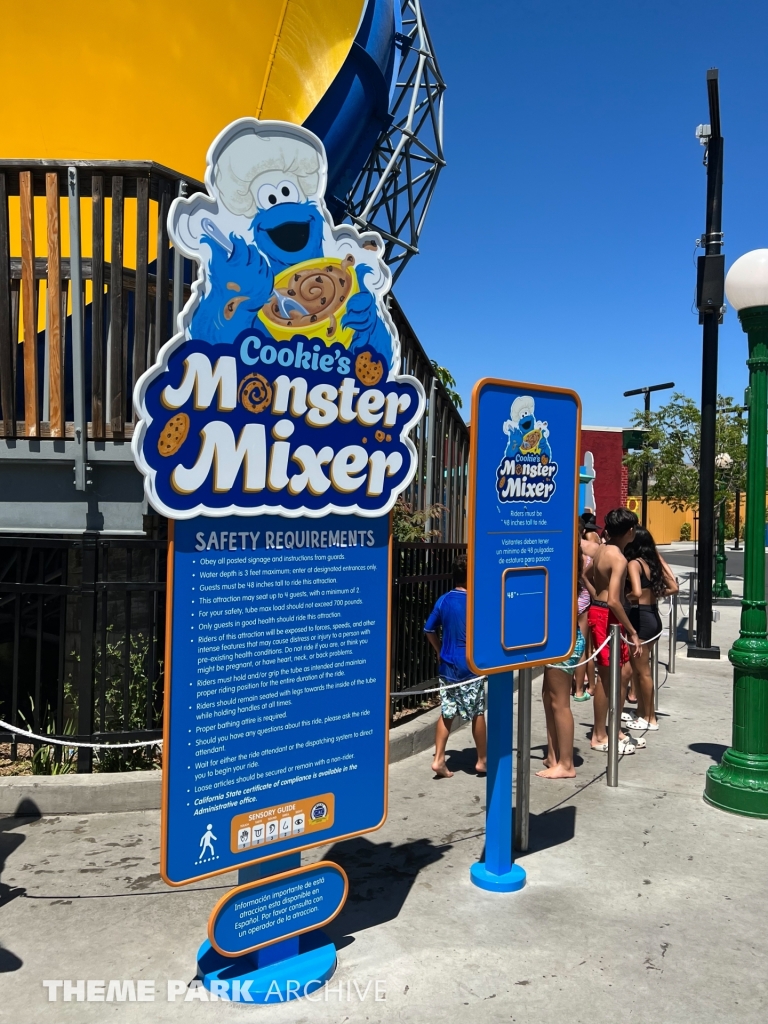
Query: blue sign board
[[277, 703], [277, 908], [523, 490]]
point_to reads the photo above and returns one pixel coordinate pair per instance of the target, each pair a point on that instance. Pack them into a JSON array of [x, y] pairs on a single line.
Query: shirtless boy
[[609, 571]]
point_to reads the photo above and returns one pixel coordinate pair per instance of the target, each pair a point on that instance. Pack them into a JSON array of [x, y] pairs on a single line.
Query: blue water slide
[[355, 109]]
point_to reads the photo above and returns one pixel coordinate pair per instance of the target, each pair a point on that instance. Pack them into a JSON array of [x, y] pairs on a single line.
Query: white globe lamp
[[746, 285]]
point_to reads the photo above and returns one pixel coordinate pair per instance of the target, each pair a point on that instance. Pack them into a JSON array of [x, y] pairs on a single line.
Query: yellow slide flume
[[143, 80]]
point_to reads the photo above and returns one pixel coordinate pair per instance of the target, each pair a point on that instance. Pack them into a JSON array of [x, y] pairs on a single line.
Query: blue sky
[[575, 187]]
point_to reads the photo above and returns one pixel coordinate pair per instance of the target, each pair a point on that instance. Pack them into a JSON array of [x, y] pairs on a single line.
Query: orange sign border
[[267, 881], [164, 802], [471, 500]]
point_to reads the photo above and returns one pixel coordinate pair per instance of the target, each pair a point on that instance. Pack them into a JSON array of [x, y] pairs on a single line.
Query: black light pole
[[647, 393], [710, 294]]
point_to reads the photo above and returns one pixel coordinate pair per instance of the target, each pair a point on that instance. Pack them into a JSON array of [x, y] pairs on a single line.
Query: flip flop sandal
[[584, 696]]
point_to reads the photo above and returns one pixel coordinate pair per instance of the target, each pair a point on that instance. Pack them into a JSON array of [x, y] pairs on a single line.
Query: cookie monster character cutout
[[272, 260], [281, 392], [525, 433]]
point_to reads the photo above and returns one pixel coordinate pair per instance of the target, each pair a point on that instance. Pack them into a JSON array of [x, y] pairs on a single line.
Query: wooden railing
[[111, 294]]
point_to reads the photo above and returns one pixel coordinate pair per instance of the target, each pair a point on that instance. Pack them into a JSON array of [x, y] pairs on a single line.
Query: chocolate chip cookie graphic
[[369, 371], [173, 435], [255, 392]]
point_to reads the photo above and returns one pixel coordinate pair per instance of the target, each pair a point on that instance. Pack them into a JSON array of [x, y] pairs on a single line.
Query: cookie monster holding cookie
[[526, 434], [272, 262]]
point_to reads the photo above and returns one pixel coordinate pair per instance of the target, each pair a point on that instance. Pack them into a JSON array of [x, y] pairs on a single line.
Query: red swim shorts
[[600, 618]]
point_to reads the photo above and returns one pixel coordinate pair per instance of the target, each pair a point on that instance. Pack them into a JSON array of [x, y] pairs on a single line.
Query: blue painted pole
[[497, 872]]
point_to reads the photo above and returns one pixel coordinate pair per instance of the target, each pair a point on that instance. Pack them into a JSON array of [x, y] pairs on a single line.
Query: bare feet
[[441, 770], [557, 772], [481, 766]]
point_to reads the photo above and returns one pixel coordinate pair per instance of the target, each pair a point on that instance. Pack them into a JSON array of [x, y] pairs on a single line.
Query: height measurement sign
[[277, 709], [523, 491]]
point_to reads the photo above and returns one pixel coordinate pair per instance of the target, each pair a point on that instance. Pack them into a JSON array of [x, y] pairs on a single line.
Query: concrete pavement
[[642, 903]]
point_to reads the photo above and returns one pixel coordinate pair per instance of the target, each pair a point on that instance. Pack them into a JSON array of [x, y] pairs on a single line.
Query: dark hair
[[460, 571], [644, 546], [619, 521]]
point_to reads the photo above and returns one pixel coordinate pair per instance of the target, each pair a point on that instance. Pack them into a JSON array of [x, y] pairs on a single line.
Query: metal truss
[[393, 191]]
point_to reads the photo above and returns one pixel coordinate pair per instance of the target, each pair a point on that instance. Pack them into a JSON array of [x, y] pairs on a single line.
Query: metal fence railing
[[441, 439], [82, 624], [420, 574]]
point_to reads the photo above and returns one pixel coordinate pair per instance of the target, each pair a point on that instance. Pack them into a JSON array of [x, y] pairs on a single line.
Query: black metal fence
[[441, 440], [420, 574], [82, 634], [82, 629]]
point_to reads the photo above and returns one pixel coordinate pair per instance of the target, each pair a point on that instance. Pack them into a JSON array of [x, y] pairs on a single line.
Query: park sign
[[281, 392], [523, 493], [273, 433]]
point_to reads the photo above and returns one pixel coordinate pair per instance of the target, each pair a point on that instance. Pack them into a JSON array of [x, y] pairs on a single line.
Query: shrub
[[685, 531]]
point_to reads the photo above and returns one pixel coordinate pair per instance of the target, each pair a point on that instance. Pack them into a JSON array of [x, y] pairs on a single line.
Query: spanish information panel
[[278, 708], [523, 505]]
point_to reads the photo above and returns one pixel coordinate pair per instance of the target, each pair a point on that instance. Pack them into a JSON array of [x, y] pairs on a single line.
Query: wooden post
[[7, 337], [56, 354], [29, 303], [97, 309], [140, 298], [161, 292], [116, 318]]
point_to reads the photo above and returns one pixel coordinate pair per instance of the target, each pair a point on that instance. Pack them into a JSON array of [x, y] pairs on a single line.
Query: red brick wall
[[610, 474]]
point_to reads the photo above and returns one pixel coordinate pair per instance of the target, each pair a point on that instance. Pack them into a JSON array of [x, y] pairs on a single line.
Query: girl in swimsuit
[[648, 578], [556, 697], [584, 673]]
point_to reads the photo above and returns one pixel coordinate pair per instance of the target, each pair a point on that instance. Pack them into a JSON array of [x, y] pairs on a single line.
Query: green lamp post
[[740, 782]]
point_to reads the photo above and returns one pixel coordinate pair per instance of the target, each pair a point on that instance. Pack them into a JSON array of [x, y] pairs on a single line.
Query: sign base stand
[[497, 872], [510, 881], [261, 979]]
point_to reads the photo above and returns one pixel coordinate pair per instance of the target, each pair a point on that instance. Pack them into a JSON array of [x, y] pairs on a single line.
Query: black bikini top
[[645, 583]]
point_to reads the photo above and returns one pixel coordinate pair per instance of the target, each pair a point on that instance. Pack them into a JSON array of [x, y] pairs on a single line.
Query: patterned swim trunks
[[569, 666], [467, 700]]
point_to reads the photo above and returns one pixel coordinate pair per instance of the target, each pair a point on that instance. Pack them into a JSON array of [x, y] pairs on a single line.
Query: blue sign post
[[273, 433], [522, 565]]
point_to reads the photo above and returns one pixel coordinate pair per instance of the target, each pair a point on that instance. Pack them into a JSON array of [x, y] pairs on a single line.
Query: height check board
[[523, 493], [273, 432]]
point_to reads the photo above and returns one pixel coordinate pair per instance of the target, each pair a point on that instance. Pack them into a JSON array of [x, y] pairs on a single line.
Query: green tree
[[672, 451], [409, 524], [446, 379]]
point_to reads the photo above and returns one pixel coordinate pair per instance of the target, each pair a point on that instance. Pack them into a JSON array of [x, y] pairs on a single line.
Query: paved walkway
[[642, 904]]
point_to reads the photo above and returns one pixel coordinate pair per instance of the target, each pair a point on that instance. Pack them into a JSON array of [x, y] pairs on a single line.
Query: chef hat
[[522, 406], [262, 147]]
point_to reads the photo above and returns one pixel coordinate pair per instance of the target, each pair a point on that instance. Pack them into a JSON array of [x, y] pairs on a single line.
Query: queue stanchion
[[523, 788], [672, 634], [691, 608], [655, 657], [614, 711]]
